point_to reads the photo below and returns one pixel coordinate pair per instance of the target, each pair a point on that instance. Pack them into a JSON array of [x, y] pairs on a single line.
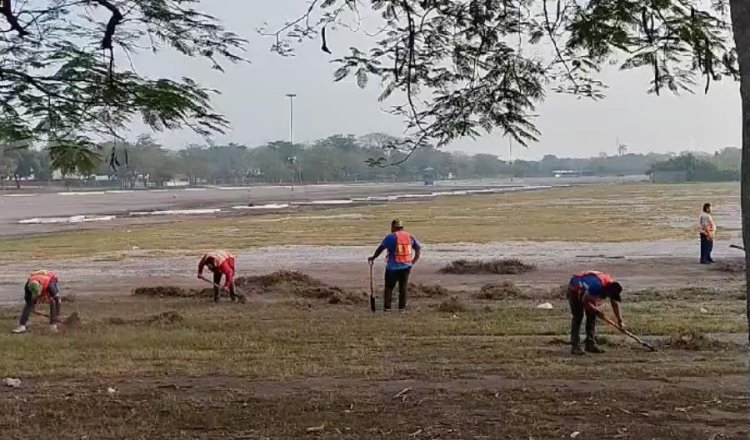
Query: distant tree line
[[339, 158], [722, 166]]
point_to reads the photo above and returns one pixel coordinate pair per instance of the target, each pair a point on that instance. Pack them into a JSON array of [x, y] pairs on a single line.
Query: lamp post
[[291, 97]]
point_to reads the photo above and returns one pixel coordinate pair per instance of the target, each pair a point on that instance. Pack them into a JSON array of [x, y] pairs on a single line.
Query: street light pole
[[291, 97]]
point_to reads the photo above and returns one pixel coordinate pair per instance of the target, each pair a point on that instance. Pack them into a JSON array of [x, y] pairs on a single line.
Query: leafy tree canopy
[[471, 66], [66, 80]]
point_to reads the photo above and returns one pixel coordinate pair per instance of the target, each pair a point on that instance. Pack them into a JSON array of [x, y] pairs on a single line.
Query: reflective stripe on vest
[[219, 257], [403, 247]]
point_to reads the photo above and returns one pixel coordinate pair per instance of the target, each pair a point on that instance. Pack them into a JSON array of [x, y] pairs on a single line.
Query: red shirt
[[226, 268]]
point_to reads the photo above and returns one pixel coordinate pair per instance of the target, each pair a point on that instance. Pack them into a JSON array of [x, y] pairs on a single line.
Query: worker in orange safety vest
[[403, 252], [221, 263], [40, 286], [586, 294]]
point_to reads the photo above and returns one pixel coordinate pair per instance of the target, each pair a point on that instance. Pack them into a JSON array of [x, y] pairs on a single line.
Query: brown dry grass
[[192, 360], [500, 291], [505, 266]]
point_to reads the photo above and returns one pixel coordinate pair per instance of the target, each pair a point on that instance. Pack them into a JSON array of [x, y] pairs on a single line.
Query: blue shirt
[[589, 283], [389, 244]]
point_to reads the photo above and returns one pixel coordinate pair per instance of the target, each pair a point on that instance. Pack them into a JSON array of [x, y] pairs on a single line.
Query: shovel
[[625, 332], [240, 296], [372, 290]]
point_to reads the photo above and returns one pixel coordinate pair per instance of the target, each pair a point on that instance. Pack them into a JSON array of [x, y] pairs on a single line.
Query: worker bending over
[[399, 245], [40, 286], [586, 294], [221, 263]]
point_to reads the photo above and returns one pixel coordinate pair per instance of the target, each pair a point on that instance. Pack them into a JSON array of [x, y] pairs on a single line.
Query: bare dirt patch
[[505, 266], [500, 291]]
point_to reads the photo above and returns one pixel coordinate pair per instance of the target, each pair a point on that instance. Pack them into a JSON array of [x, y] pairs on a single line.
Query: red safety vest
[[44, 278], [403, 247], [219, 257]]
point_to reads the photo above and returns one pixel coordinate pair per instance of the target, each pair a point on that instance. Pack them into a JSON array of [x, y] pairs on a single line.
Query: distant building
[[566, 173]]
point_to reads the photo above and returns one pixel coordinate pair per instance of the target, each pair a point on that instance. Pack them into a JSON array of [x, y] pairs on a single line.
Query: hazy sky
[[252, 98]]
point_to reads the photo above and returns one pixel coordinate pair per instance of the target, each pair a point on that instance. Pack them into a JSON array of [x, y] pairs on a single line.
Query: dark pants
[[217, 281], [707, 246], [577, 309], [54, 303], [393, 277]]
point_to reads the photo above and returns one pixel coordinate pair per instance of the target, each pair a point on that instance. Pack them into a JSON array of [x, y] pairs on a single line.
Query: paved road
[[56, 207]]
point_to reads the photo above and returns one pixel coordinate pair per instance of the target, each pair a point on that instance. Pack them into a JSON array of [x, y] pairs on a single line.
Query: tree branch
[[114, 20], [7, 11]]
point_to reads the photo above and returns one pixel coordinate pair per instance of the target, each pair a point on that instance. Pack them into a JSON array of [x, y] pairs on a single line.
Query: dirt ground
[[477, 373], [472, 358]]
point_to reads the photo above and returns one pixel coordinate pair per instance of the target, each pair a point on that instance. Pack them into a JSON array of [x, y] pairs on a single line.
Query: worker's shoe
[[53, 328], [593, 348], [576, 350], [19, 329]]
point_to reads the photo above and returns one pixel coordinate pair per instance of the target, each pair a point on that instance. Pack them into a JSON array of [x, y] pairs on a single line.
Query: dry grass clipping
[[277, 283], [506, 266], [694, 341], [500, 291], [452, 305], [427, 291]]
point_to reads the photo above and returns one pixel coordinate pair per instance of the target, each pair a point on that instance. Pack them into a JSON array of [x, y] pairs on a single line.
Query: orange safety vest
[[44, 278], [219, 257], [603, 277], [403, 247]]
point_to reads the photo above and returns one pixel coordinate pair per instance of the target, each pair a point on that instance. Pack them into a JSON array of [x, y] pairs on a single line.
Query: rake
[[625, 332]]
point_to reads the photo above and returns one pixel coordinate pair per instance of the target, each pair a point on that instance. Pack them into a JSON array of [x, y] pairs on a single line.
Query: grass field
[[588, 214], [286, 367]]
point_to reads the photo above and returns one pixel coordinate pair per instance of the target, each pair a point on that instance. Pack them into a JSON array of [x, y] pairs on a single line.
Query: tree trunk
[[741, 25]]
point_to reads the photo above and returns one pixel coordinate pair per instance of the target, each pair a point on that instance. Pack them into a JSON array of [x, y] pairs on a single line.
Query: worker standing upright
[[707, 230], [221, 263], [400, 260], [586, 293], [40, 286]]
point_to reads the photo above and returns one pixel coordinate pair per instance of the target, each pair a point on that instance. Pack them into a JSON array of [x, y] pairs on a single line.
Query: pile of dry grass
[[427, 291], [166, 292], [558, 292], [277, 283], [729, 266], [162, 319], [166, 318], [694, 341], [505, 266], [452, 305], [500, 291]]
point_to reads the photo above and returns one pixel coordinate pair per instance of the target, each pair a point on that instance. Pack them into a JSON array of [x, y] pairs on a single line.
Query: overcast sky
[[253, 99]]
